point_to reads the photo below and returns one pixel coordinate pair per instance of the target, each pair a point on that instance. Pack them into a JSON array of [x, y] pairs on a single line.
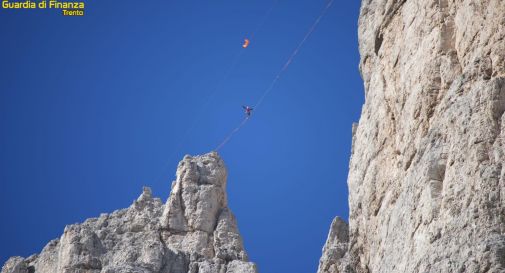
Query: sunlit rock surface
[[426, 178], [194, 232]]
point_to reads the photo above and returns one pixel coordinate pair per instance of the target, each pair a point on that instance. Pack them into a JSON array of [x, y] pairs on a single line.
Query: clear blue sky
[[92, 108]]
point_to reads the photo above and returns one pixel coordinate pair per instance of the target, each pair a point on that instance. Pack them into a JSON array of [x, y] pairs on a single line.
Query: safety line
[[230, 70], [230, 135], [209, 98], [277, 77], [200, 115], [292, 56]]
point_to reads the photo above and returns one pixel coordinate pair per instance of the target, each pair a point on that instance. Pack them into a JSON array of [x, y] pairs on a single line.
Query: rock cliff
[[335, 258], [194, 232], [426, 178]]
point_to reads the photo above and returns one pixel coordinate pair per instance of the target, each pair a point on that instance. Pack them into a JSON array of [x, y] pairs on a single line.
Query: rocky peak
[[196, 217], [194, 232], [334, 259], [198, 195]]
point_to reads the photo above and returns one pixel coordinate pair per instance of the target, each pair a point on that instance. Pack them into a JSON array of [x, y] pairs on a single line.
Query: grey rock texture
[[334, 259], [426, 179], [194, 232]]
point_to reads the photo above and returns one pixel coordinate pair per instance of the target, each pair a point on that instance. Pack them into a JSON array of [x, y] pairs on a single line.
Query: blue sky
[[92, 108]]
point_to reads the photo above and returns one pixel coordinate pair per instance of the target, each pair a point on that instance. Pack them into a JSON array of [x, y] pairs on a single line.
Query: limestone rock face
[[334, 259], [426, 178], [194, 232]]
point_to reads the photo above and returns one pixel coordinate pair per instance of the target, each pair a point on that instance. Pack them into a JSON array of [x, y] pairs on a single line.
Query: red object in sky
[[246, 43]]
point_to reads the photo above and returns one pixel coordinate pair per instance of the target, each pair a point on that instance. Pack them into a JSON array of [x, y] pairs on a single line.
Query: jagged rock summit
[[334, 258], [194, 232]]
